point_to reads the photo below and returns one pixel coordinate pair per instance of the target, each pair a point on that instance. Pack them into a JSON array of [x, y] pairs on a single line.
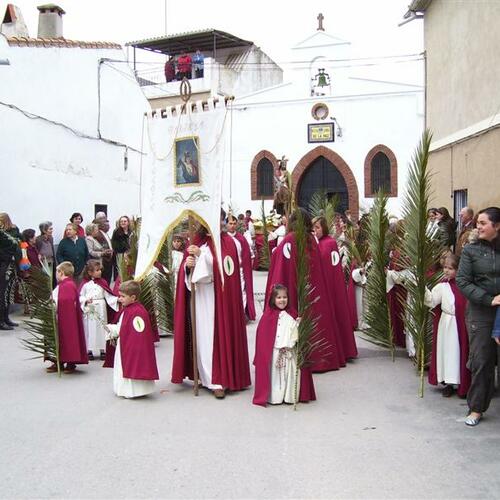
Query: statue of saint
[[283, 189]]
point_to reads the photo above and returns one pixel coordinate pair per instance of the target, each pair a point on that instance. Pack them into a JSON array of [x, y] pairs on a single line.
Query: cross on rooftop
[[320, 22]]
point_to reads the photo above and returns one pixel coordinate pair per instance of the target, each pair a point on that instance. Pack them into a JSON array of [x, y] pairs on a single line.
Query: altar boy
[[135, 370]]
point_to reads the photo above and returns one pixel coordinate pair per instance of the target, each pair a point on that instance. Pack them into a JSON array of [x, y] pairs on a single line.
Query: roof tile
[[22, 41]]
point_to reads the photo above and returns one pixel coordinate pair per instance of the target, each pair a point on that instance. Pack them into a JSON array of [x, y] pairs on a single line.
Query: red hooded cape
[[246, 260], [396, 299], [283, 270], [230, 368], [72, 347], [334, 279], [463, 339], [264, 343], [136, 344]]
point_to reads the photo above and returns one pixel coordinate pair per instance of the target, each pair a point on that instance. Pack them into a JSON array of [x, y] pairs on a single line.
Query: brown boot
[[52, 368]]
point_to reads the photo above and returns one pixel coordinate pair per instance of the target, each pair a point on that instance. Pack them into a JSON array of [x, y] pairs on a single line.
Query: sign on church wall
[[320, 132]]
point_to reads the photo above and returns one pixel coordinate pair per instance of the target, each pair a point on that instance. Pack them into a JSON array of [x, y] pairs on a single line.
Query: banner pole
[[196, 387]]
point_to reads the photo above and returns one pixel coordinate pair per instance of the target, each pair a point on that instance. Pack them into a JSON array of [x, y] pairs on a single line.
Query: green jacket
[[478, 274], [75, 252]]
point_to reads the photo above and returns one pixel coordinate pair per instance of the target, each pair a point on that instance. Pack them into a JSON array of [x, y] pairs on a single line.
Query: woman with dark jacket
[[446, 227], [478, 278], [120, 240], [44, 243], [10, 253]]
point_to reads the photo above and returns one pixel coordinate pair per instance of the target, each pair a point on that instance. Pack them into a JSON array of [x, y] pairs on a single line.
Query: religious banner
[[182, 175]]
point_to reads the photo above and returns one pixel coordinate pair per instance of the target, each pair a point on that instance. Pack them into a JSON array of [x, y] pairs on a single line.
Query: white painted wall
[[48, 172]]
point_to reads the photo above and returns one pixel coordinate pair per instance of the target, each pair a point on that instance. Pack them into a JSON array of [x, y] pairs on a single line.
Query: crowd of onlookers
[[78, 245], [185, 66]]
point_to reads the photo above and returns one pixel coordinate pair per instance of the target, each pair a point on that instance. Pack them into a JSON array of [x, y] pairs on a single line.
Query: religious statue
[[283, 189]]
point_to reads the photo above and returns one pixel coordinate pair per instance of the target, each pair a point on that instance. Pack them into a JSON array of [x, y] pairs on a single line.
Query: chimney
[[50, 24], [13, 23]]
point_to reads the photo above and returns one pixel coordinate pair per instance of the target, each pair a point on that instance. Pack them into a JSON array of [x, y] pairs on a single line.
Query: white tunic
[[284, 362], [361, 304], [202, 277], [242, 277], [448, 344], [176, 265], [95, 314], [126, 387], [278, 234]]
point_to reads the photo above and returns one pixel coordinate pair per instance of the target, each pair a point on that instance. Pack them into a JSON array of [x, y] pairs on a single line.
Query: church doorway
[[324, 170]]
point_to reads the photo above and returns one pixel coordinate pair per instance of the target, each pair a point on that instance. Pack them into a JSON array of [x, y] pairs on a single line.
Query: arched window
[[263, 169], [381, 172], [265, 178]]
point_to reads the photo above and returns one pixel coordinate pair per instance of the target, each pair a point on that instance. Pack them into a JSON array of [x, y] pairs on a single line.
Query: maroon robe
[[259, 248], [33, 256], [283, 270], [335, 284], [264, 344], [463, 339], [246, 261], [230, 364], [137, 349], [72, 347]]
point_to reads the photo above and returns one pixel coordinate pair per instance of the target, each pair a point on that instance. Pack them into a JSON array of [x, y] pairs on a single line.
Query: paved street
[[367, 436]]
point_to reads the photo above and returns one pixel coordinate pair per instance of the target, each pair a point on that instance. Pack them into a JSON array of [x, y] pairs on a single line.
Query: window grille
[[381, 173], [265, 178]]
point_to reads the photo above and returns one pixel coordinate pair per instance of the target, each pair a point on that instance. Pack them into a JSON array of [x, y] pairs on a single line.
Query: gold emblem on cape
[[139, 324], [228, 265]]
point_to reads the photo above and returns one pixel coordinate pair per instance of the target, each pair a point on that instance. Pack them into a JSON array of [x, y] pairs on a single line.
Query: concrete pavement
[[367, 436]]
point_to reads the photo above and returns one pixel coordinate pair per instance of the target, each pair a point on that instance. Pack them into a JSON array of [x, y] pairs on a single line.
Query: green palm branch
[[308, 335], [43, 338], [377, 317], [265, 258], [322, 206], [420, 254]]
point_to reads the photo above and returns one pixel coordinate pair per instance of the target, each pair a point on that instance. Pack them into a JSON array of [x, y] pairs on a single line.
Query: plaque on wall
[[320, 132]]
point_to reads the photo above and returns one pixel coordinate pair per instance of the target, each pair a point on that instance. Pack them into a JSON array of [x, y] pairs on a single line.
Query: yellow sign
[[320, 133]]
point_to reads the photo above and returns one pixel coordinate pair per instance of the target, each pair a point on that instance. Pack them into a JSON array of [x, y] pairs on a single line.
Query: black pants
[[6, 282], [482, 356]]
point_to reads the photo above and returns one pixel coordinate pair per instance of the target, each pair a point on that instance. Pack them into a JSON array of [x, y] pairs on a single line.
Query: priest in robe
[[222, 350], [335, 284]]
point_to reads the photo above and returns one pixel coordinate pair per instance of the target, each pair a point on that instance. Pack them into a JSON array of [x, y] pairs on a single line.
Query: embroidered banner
[[182, 174]]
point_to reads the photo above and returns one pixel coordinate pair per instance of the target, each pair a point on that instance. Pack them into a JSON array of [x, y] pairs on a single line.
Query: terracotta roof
[[21, 41]]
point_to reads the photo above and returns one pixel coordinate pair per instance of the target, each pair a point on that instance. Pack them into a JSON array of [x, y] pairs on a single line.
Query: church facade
[[343, 135]]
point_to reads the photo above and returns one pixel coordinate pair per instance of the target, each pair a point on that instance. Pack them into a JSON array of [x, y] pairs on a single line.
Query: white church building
[[341, 134]]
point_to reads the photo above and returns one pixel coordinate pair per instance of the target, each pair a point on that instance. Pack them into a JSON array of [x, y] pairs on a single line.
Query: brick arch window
[[381, 171], [262, 173]]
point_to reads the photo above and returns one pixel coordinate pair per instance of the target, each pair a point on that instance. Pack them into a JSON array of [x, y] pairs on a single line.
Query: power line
[[77, 133]]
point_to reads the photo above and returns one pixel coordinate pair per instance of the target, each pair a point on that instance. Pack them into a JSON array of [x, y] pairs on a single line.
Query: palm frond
[[156, 296], [308, 335], [420, 253], [321, 205], [377, 317], [265, 258], [43, 338]]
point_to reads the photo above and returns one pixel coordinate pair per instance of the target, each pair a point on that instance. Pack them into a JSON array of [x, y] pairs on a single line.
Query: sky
[[275, 26]]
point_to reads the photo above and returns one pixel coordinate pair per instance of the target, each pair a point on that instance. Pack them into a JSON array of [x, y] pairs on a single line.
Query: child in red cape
[[72, 348], [135, 370], [99, 304], [275, 355], [450, 341]]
